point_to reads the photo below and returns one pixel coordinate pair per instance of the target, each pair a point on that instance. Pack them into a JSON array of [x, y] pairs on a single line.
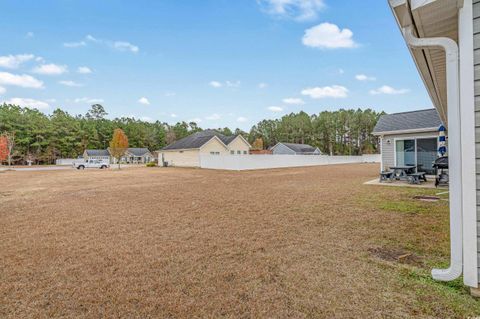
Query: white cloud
[[30, 103], [29, 35], [173, 115], [215, 84], [169, 94], [89, 37], [388, 90], [74, 44], [144, 101], [275, 109], [231, 84], [2, 90], [328, 36], [341, 71], [84, 70], [293, 101], [300, 10], [50, 69], [88, 100], [334, 91], [117, 45], [196, 120], [70, 83], [363, 77], [241, 119], [213, 117], [14, 61], [262, 85], [125, 46], [24, 80]]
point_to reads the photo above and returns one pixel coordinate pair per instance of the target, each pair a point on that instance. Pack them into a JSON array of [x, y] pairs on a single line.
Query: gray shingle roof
[[414, 120], [138, 151], [300, 148], [98, 153], [198, 139]]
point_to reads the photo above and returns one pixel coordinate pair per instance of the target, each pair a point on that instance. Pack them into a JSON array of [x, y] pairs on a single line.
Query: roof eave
[[409, 13], [410, 131], [179, 149]]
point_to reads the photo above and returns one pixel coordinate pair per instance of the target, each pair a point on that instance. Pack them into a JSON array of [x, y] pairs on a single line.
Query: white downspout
[[454, 148]]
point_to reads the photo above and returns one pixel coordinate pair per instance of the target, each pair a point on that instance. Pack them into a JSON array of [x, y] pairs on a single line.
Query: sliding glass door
[[420, 151], [405, 154], [426, 154]]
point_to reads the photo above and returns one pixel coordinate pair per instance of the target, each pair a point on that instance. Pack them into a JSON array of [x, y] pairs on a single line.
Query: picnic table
[[408, 173], [402, 172]]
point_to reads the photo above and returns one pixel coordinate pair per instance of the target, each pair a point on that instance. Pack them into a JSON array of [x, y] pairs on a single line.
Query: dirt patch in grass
[[396, 255], [183, 243]]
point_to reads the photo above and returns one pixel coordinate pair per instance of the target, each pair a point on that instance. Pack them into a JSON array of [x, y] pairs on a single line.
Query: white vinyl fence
[[248, 162], [66, 161]]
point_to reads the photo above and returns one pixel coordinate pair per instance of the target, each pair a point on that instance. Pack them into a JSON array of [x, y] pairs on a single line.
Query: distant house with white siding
[[409, 138], [294, 149]]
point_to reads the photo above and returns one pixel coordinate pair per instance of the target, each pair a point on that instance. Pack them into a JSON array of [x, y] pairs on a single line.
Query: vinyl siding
[[476, 56], [281, 149], [239, 144], [388, 146], [186, 158]]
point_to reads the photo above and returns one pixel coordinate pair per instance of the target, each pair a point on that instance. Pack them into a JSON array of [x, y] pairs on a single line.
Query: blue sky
[[218, 62]]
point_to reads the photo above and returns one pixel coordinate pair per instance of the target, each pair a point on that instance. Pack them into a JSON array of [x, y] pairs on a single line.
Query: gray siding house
[[103, 155], [132, 156], [137, 156], [443, 37], [294, 149], [409, 138]]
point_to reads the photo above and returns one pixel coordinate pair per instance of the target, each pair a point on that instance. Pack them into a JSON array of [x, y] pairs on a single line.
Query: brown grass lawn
[[155, 242]]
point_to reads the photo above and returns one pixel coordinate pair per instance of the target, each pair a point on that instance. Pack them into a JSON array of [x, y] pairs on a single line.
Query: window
[[214, 153], [232, 152], [245, 153], [239, 152], [419, 151]]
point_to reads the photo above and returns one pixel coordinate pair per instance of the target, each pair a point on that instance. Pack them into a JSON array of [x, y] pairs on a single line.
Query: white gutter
[[410, 131], [455, 150]]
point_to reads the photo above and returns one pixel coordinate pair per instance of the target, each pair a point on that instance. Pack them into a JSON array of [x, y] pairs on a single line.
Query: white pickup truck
[[91, 163]]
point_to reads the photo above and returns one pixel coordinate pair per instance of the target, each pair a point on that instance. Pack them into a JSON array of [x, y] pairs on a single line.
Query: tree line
[[42, 138], [342, 132]]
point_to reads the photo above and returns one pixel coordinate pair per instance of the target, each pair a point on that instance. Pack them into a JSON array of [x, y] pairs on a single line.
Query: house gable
[[281, 148], [215, 144], [239, 144]]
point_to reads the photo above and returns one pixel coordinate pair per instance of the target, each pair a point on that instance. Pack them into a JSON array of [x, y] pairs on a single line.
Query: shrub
[[151, 164]]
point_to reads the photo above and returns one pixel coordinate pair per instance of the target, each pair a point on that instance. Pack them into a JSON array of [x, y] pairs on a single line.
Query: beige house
[[187, 151]]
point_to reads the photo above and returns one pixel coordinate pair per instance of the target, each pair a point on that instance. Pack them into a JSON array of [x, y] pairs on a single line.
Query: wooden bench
[[415, 178], [386, 176]]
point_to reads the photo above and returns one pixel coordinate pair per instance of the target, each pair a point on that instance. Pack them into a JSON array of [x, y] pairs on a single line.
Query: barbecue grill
[[441, 164]]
